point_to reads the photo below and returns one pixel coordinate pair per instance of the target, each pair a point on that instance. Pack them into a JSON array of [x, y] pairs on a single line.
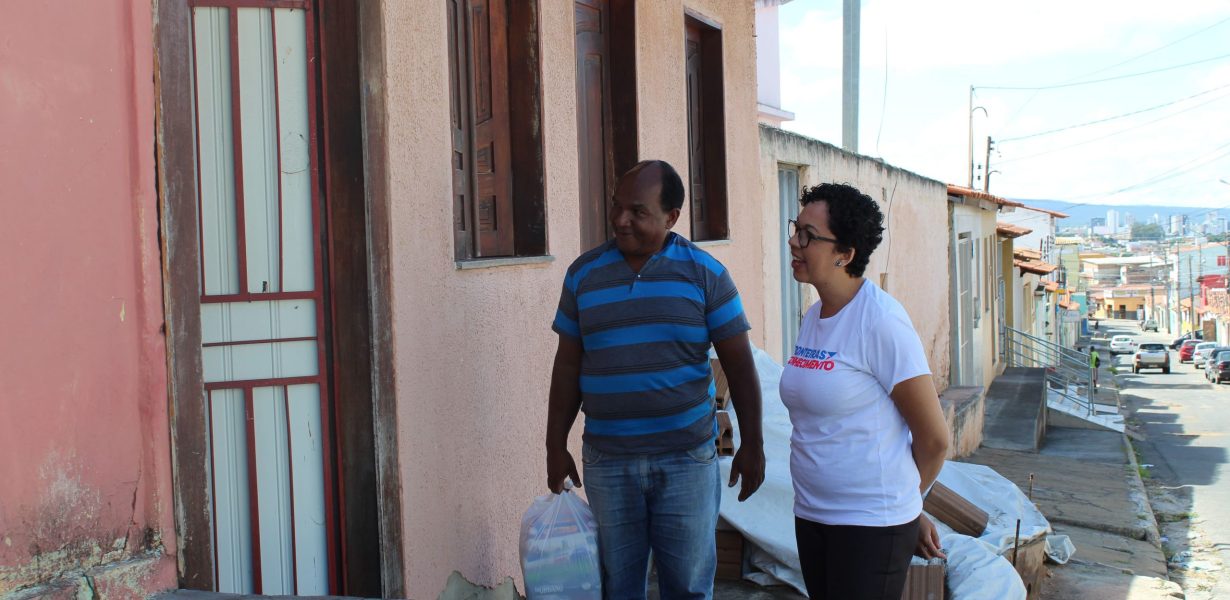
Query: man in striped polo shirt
[[636, 319]]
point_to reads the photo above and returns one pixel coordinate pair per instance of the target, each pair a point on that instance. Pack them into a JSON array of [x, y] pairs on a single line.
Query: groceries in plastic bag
[[559, 549]]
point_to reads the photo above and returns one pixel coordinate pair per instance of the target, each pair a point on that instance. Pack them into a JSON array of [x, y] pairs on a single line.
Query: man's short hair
[[672, 184]]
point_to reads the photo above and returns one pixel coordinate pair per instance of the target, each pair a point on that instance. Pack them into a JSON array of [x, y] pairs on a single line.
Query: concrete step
[[1016, 410]]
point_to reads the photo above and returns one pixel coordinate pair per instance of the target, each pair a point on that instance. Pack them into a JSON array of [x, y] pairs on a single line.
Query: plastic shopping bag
[[559, 549]]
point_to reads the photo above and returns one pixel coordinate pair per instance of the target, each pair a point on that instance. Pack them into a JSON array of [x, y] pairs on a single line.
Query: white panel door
[[262, 307]]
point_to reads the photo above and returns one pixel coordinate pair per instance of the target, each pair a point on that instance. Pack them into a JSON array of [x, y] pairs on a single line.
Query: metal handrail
[[1068, 371]]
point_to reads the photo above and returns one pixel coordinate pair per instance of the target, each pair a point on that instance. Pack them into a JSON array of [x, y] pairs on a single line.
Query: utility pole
[[1191, 287], [970, 130], [849, 74], [986, 167]]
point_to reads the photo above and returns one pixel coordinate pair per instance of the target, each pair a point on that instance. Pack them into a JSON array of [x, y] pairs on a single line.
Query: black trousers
[[849, 562]]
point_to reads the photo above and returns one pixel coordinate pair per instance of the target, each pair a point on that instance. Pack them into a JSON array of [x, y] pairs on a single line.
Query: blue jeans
[[665, 502]]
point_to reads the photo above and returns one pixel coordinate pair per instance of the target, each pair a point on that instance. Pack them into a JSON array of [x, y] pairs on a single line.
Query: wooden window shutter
[[492, 210], [696, 131], [459, 103]]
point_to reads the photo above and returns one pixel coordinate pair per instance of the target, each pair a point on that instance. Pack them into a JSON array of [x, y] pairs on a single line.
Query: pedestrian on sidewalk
[[1095, 361], [636, 318], [869, 434]]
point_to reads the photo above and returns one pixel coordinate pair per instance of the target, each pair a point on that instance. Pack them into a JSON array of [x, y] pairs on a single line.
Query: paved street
[[1185, 423]]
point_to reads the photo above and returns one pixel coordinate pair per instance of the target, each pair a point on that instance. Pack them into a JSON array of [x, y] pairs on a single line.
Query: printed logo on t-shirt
[[809, 358]]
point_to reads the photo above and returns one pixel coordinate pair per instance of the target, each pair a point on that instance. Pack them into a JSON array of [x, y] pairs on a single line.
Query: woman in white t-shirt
[[869, 435]]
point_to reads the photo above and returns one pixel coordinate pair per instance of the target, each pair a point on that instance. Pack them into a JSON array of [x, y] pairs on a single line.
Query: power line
[[1105, 79], [1175, 172], [1164, 176], [1112, 134], [1162, 47], [1112, 118], [1119, 64]]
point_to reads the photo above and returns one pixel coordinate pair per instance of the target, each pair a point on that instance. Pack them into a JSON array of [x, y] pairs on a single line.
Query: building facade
[[288, 271]]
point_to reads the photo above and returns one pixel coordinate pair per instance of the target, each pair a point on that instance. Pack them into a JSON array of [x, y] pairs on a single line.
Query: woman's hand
[[928, 539]]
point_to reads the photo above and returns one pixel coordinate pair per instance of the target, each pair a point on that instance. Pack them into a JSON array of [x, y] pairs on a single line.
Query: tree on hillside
[[1147, 231]]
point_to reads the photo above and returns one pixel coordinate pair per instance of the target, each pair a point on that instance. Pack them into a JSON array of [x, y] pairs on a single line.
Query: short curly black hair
[[854, 218]]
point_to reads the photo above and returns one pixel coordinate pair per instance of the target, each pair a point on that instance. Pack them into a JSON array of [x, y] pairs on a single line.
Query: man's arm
[[562, 409], [735, 354]]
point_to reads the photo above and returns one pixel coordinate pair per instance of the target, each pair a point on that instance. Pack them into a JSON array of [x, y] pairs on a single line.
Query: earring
[[841, 263]]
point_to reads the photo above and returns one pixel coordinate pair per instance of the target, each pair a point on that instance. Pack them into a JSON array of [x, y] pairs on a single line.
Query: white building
[[1176, 224], [768, 65]]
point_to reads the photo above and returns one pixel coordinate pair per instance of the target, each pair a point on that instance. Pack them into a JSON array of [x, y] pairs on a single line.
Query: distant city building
[[1176, 224], [1157, 219], [1097, 226], [1129, 220], [1112, 221]]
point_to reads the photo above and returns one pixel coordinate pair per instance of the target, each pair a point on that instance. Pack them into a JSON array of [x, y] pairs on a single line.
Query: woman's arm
[[920, 405]]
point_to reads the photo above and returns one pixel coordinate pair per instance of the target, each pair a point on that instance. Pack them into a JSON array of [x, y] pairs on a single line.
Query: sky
[[919, 60]]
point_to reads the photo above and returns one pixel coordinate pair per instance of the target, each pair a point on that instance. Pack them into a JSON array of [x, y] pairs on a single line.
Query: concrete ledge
[[965, 412]]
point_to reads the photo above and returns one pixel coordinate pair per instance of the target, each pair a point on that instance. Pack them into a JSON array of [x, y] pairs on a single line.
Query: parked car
[[1151, 356], [1211, 358], [1212, 371], [1186, 350], [1201, 353], [1122, 344], [1218, 369], [1149, 325], [1191, 335]]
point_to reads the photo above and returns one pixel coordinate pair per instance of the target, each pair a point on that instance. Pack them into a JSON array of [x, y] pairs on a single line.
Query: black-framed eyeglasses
[[805, 237]]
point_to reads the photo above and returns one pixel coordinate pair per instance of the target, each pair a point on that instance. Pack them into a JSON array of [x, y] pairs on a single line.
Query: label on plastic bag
[[559, 549]]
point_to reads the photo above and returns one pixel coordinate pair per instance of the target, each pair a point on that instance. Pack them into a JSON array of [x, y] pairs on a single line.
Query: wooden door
[[595, 147], [263, 306]]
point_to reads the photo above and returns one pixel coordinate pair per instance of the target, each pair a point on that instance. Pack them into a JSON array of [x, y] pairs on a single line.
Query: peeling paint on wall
[[64, 532]]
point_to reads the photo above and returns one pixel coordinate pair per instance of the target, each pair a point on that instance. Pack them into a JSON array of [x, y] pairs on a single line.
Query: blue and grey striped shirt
[[646, 385]]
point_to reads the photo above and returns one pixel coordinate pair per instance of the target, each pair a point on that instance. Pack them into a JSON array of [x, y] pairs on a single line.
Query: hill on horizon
[[1080, 214]]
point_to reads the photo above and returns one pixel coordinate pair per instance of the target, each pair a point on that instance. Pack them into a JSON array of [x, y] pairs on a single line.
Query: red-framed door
[[263, 305]]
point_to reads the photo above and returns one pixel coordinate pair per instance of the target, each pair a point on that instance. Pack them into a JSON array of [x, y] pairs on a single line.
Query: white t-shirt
[[850, 450]]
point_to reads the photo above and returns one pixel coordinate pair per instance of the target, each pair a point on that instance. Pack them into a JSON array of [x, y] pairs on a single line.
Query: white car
[[1201, 353], [1122, 344], [1151, 356]]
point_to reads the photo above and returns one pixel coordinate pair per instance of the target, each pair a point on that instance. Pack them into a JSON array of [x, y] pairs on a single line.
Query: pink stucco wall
[[474, 347], [84, 448]]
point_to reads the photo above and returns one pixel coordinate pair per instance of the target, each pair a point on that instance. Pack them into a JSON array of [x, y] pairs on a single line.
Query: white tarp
[[975, 568]]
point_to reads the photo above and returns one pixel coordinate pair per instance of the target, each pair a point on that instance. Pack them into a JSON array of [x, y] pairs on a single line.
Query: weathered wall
[[84, 448], [913, 255], [473, 346]]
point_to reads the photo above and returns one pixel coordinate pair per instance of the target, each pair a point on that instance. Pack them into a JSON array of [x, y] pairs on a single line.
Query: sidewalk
[[1088, 484]]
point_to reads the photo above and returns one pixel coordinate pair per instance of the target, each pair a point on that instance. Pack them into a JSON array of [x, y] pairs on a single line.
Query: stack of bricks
[[729, 555]]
